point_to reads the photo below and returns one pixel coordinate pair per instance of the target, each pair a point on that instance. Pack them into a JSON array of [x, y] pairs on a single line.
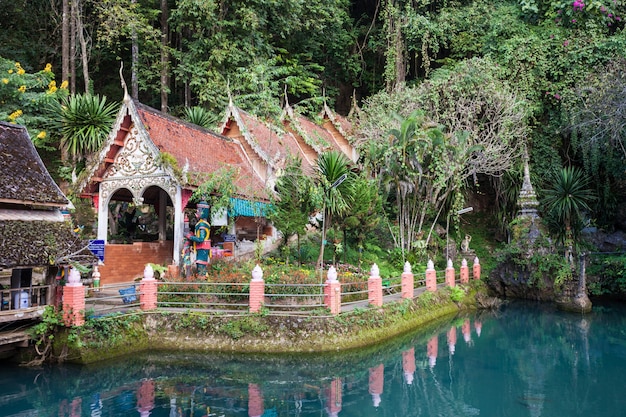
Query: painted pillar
[[450, 274], [103, 218], [467, 331], [478, 326], [407, 282], [476, 269], [376, 382], [145, 397], [255, 401], [452, 340], [334, 397], [431, 277], [431, 350], [332, 292], [179, 226], [375, 287], [148, 290], [74, 300], [408, 365], [464, 272], [257, 290]]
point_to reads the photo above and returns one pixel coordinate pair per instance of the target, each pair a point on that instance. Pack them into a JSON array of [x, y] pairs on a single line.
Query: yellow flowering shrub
[[15, 115]]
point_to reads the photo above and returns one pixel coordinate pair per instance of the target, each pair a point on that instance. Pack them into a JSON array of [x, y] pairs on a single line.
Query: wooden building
[[35, 238]]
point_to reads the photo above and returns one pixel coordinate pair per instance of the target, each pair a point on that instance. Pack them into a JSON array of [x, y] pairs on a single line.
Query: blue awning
[[245, 208]]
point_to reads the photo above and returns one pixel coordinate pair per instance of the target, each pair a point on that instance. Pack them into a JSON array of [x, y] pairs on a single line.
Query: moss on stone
[[254, 333]]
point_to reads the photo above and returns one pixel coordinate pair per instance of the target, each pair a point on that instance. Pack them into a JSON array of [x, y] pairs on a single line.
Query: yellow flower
[[52, 87], [41, 135], [15, 115], [21, 71], [5, 80], [18, 65], [48, 68], [64, 85], [10, 71], [22, 89]]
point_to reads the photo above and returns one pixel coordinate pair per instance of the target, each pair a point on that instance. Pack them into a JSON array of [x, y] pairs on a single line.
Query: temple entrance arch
[[140, 226]]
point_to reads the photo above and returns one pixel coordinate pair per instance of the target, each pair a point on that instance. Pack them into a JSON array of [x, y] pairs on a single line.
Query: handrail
[[279, 298], [35, 295]]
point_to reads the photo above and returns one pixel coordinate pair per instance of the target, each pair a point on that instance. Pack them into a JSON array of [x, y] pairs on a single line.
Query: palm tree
[[335, 179], [566, 199], [84, 120]]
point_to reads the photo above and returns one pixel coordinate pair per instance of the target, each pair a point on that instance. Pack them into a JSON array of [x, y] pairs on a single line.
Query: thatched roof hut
[[33, 231]]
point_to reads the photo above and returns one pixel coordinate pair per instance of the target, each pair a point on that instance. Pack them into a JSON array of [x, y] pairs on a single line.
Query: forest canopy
[[502, 76]]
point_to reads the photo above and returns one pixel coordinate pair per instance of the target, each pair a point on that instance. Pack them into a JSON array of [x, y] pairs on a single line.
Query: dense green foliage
[[475, 83]]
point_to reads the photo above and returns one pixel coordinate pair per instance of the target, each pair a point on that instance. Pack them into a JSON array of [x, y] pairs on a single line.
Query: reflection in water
[[526, 361]]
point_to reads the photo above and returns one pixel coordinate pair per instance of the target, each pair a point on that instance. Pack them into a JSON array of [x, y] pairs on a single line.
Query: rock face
[[527, 271]]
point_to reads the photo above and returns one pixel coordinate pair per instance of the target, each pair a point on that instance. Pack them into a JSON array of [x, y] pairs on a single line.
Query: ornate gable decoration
[[129, 159], [136, 158]]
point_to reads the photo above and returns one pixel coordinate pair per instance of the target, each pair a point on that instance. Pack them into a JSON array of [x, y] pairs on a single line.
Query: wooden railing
[[25, 297]]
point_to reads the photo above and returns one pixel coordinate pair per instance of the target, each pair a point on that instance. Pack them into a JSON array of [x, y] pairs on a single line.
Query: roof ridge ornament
[[124, 88]]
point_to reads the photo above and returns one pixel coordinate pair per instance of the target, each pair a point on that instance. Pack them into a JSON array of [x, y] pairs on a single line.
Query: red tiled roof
[[276, 144], [316, 134], [204, 151]]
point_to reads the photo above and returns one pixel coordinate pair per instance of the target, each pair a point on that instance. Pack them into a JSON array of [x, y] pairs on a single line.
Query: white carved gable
[[136, 167], [136, 158]]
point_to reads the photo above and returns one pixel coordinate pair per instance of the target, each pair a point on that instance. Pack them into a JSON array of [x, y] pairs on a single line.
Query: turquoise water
[[525, 360]]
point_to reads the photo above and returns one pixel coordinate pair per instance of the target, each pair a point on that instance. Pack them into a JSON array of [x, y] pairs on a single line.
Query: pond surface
[[525, 360]]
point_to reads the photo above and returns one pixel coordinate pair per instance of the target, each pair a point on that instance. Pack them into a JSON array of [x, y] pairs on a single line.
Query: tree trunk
[[134, 81], [65, 41], [164, 56], [83, 45], [72, 77]]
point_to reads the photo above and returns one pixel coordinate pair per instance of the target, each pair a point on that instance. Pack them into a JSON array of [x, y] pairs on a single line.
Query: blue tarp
[[245, 208]]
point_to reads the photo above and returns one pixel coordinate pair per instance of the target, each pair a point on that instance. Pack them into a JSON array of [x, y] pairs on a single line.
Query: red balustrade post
[[148, 290], [74, 300], [431, 277], [332, 292], [476, 269], [464, 272], [450, 274], [375, 287], [257, 290], [408, 284]]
